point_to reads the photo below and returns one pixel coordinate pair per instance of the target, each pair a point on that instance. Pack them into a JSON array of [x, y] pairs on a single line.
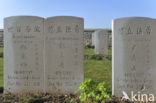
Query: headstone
[[23, 54], [101, 42], [109, 38], [134, 56], [93, 38], [63, 54]]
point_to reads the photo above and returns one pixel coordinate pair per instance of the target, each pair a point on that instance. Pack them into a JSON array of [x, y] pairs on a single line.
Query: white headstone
[[23, 54], [101, 42], [93, 38], [63, 54], [134, 56]]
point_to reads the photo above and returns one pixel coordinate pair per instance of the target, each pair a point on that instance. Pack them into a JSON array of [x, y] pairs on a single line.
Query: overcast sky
[[96, 13]]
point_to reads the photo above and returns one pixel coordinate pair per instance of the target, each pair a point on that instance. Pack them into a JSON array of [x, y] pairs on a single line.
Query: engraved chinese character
[[68, 29], [28, 28], [133, 47], [133, 57], [148, 29], [61, 64], [129, 31], [18, 28], [77, 29], [23, 47], [139, 30], [122, 30], [58, 29], [50, 29], [36, 29]]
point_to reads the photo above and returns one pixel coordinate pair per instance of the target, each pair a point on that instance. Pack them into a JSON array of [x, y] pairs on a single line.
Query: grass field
[[98, 70], [1, 68]]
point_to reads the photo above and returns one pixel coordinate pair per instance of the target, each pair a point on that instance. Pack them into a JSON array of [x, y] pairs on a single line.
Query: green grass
[[98, 70], [1, 48], [89, 51], [1, 68]]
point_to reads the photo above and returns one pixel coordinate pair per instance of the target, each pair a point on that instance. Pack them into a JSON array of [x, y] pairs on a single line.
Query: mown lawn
[[98, 70], [1, 49], [1, 68]]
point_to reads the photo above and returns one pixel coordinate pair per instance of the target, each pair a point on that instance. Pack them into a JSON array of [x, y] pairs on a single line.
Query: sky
[[96, 13]]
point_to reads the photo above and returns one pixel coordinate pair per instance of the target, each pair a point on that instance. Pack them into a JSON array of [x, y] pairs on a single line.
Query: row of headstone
[[43, 55], [134, 56], [46, 55]]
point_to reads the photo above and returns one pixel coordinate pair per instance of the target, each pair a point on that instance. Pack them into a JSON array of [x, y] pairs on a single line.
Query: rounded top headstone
[[133, 51], [22, 16], [132, 18], [61, 17]]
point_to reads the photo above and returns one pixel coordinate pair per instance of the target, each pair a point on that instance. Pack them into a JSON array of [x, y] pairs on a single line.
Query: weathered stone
[[63, 54], [101, 42], [134, 56], [23, 54]]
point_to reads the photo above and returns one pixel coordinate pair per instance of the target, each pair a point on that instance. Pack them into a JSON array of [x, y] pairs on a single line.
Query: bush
[[92, 91]]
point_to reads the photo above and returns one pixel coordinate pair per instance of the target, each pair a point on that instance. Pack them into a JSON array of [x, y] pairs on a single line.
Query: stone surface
[[23, 54], [134, 56], [93, 38], [101, 42], [63, 54]]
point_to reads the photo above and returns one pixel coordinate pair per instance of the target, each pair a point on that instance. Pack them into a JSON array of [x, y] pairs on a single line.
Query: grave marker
[[63, 54], [101, 42], [134, 56], [23, 54]]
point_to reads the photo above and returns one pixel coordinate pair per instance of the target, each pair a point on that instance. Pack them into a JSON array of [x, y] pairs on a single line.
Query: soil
[[49, 98]]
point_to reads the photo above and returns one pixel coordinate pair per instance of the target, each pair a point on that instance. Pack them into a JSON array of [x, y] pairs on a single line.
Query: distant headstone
[[63, 54], [93, 38], [101, 42], [23, 54], [134, 56], [109, 38]]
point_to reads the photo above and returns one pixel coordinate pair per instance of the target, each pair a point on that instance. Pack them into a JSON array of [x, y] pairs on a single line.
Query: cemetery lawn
[[99, 70], [1, 68], [1, 48]]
